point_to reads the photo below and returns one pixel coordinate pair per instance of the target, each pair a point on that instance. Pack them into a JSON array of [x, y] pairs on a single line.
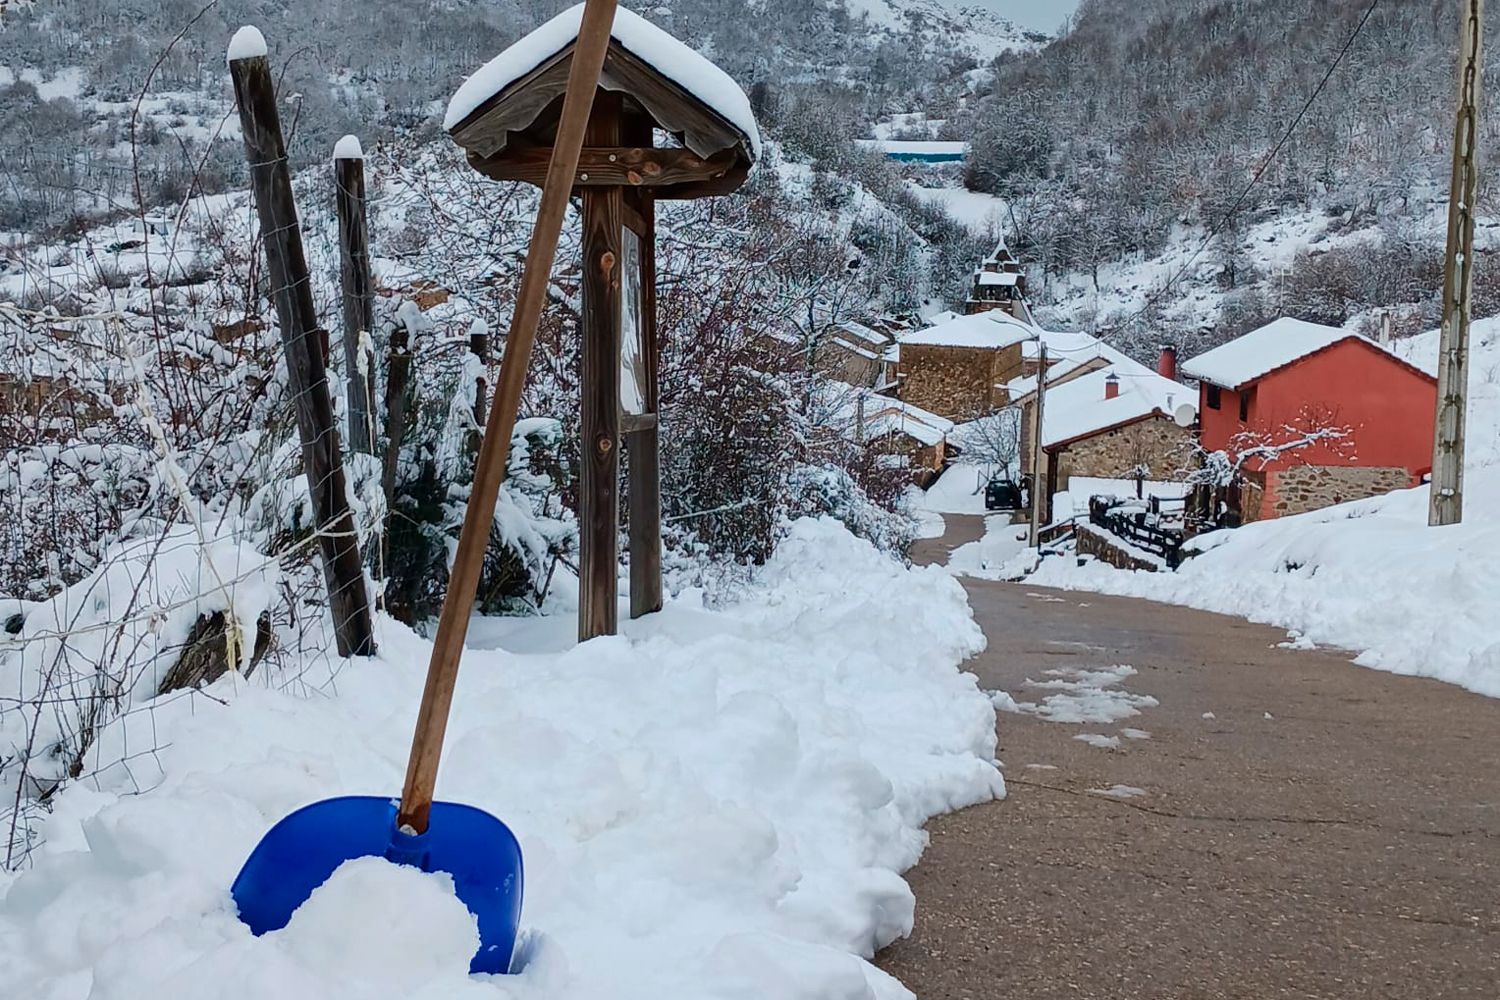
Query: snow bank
[[1368, 576], [667, 55], [716, 805]]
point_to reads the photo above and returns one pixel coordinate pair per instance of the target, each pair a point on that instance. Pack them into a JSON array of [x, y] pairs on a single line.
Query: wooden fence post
[[291, 291], [358, 294], [397, 374], [479, 346]]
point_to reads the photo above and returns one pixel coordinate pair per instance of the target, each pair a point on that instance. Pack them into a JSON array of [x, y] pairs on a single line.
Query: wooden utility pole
[[1038, 489], [291, 291], [358, 294], [397, 375], [1447, 499]]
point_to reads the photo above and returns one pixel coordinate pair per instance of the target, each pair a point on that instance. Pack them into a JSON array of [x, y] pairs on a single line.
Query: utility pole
[[1447, 502], [1038, 490]]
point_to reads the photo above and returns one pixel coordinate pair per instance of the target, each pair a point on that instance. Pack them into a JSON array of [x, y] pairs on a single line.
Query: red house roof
[[1250, 358]]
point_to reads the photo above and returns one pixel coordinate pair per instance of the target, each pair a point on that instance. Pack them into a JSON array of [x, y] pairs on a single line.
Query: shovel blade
[[304, 849]]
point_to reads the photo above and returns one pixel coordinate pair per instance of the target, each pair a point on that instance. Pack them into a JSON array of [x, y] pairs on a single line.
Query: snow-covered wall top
[[642, 39]]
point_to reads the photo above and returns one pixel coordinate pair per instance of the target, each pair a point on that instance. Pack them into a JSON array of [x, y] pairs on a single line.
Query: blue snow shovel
[[476, 849]]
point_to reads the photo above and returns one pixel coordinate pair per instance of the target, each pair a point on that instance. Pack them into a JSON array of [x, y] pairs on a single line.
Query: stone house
[[958, 369], [1116, 422], [1275, 386], [900, 434], [852, 352]]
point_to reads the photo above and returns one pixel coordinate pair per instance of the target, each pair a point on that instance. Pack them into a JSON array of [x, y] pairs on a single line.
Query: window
[[1213, 397], [1244, 407]]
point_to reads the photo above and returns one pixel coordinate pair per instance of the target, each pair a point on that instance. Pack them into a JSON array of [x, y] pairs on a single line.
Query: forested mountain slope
[[1125, 142], [73, 134]]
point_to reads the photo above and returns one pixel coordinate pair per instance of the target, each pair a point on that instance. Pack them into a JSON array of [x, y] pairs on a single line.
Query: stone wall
[[1156, 442], [956, 382], [1302, 488], [1104, 547]]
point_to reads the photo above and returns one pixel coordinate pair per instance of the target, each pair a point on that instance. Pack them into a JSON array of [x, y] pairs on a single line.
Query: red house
[[1314, 416]]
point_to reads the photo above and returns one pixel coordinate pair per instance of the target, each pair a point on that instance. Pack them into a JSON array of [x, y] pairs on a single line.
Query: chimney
[[1166, 364], [1112, 387]]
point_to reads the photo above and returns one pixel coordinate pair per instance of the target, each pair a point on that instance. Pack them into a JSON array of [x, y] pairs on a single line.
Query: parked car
[[1003, 494]]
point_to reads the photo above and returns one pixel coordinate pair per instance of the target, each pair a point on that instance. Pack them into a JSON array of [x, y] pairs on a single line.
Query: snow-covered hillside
[[718, 804], [985, 27]]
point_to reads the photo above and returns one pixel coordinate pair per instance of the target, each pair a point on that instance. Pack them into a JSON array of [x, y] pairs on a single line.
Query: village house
[[853, 352], [1124, 421], [958, 368], [902, 435], [1290, 380]]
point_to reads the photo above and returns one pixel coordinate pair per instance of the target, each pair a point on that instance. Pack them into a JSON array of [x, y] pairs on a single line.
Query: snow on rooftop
[[992, 329], [882, 414], [667, 55], [247, 43], [348, 148], [1078, 408], [987, 278], [1262, 351]]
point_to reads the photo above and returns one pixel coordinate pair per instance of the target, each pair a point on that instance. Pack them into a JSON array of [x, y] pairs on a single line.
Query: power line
[[1265, 164]]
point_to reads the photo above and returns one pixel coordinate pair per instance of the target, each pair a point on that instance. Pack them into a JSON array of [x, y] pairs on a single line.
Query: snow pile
[[1003, 541], [668, 56], [1369, 576], [716, 805]]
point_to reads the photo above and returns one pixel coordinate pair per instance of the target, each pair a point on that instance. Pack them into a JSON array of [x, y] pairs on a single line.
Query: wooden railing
[[1132, 525]]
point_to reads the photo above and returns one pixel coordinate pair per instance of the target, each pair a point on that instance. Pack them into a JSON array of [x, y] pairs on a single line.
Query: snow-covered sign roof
[[670, 57], [993, 329], [1081, 408], [997, 277], [1260, 352]]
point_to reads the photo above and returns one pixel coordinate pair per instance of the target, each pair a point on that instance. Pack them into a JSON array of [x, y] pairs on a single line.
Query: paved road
[[1307, 828]]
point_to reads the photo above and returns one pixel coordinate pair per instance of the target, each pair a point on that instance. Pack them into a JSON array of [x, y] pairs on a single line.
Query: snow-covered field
[[1369, 576], [717, 804]]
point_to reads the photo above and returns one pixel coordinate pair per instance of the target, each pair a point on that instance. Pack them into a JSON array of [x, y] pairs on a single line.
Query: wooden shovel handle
[[494, 454]]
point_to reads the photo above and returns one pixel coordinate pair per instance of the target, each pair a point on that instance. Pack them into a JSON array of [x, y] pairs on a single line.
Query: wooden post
[[291, 290], [599, 482], [397, 374], [358, 294], [479, 346], [644, 441], [1446, 504]]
